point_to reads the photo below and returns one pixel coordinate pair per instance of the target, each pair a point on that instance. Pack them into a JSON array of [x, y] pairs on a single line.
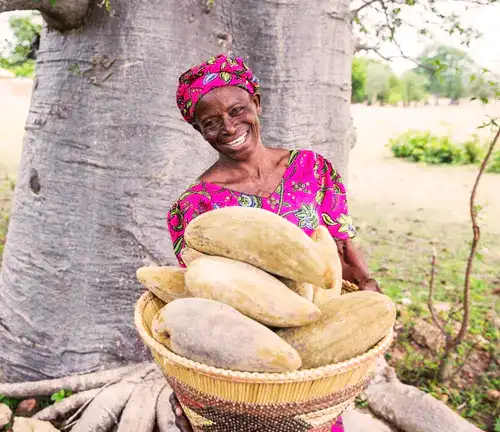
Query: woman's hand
[[181, 421], [354, 267], [369, 284]]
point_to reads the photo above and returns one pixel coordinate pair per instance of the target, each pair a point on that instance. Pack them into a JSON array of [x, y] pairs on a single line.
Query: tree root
[[140, 412], [132, 379], [74, 383], [164, 415], [104, 411], [127, 399], [61, 410]]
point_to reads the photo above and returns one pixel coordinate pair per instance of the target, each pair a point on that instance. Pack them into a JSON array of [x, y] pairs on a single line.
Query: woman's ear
[[256, 102]]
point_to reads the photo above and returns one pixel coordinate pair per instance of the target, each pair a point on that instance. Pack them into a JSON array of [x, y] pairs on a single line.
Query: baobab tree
[[106, 152]]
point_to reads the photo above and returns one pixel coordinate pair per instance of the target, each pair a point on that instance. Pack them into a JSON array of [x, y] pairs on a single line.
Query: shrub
[[24, 69], [422, 146], [494, 165]]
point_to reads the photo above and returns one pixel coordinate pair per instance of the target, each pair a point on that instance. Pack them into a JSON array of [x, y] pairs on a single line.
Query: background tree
[[380, 80], [106, 153], [21, 53], [413, 87], [359, 76], [447, 70]]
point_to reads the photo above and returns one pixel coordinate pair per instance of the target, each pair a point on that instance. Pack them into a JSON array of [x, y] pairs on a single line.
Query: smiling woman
[[220, 99]]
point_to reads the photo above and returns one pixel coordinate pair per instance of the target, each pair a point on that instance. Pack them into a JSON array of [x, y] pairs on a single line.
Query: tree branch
[[392, 29], [13, 5], [475, 240], [63, 15], [430, 304], [355, 12]]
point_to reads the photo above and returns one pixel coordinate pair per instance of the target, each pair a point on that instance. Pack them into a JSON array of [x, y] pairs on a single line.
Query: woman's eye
[[237, 110]]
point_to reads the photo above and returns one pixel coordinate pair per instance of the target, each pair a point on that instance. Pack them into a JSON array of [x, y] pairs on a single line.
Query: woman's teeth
[[237, 142]]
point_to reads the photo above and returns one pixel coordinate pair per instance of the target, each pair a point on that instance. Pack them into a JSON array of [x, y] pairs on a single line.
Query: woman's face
[[228, 119]]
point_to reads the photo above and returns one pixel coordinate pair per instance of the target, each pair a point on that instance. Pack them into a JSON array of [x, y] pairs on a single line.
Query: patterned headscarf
[[216, 72]]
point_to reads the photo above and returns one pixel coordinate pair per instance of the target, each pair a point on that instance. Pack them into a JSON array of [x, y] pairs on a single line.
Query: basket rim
[[253, 377]]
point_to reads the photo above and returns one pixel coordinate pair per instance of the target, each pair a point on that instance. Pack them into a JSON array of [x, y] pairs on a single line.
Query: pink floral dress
[[311, 193]]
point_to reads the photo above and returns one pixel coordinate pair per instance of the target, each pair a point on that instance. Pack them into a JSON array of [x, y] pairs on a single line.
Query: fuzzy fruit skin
[[349, 326], [303, 289], [188, 255], [260, 238], [332, 287], [250, 290], [218, 335], [165, 282]]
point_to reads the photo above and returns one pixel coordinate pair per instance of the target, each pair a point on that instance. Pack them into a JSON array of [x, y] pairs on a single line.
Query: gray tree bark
[[106, 153]]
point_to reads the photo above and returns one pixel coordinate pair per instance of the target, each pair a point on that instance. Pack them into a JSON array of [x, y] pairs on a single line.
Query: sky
[[485, 51]]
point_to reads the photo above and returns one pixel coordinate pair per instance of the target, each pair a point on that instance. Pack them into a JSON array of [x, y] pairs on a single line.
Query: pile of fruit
[[260, 295]]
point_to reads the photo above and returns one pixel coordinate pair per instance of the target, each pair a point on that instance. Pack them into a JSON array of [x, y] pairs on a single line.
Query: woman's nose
[[229, 126]]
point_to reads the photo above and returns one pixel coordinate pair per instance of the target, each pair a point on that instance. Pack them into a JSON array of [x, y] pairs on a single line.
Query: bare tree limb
[[453, 343], [62, 15], [392, 29], [356, 11], [431, 295], [464, 362], [13, 5], [73, 383], [475, 240]]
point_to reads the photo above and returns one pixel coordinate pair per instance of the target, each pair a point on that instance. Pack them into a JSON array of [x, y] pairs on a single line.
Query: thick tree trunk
[[106, 152]]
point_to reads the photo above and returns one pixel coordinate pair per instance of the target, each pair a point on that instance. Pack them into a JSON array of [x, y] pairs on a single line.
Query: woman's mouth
[[238, 141]]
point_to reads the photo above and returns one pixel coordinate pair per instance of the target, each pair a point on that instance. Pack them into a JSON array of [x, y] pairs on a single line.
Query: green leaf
[[60, 395], [52, 2], [10, 402], [497, 425], [472, 78]]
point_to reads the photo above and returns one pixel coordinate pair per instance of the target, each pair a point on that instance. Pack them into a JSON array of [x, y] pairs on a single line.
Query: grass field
[[403, 212]]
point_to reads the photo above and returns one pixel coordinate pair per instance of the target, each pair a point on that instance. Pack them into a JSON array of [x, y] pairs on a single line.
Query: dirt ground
[[436, 194]]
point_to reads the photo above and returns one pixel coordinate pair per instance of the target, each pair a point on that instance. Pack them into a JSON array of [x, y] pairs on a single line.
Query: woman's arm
[[354, 267]]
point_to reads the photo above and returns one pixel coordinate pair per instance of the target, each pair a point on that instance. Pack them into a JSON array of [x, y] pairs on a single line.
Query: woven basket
[[222, 400]]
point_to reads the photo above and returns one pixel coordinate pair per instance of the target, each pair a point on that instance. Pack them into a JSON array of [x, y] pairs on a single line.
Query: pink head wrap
[[216, 72]]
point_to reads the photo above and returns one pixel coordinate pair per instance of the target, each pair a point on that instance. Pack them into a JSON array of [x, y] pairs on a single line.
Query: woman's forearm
[[354, 266]]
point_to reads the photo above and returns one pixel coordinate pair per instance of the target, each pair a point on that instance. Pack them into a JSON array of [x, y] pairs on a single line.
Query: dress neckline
[[291, 159]]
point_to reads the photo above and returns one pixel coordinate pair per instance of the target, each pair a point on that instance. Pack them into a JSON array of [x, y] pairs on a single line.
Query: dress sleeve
[[190, 205], [333, 210], [176, 222]]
